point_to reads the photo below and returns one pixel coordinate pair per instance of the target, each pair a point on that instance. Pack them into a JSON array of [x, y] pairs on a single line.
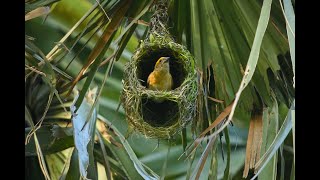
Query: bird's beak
[[167, 59]]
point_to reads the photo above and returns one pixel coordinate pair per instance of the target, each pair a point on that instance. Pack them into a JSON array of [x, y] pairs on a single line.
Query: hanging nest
[[177, 107]]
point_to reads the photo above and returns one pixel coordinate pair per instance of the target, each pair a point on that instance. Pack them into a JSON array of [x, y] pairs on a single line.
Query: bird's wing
[[148, 80]]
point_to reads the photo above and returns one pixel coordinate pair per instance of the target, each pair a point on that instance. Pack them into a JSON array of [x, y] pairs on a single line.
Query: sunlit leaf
[[254, 55], [290, 24], [83, 132]]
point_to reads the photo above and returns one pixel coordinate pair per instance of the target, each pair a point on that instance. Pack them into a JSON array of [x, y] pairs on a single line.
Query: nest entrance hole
[[149, 59], [159, 114]]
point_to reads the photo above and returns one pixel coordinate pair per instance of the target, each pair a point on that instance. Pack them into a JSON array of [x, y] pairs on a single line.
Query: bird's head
[[162, 64]]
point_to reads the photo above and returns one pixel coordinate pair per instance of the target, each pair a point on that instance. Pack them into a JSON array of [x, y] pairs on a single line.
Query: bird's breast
[[159, 80]]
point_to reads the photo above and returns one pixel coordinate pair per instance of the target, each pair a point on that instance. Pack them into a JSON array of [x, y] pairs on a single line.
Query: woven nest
[[178, 106]]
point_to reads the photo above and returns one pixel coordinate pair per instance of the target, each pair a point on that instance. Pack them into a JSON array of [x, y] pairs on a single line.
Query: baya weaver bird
[[160, 79]]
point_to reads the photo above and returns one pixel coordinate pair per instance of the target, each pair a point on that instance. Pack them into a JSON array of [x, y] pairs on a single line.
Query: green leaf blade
[[83, 134]]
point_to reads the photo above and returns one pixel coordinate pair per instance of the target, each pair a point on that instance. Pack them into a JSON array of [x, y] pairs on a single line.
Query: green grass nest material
[[165, 119]]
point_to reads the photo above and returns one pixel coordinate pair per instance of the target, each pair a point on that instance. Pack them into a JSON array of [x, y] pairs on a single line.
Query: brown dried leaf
[[219, 119], [253, 142], [215, 100]]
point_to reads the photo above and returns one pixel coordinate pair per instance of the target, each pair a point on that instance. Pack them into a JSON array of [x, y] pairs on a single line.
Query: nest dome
[[177, 107]]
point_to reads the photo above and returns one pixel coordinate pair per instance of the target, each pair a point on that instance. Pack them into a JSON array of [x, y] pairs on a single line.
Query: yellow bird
[[160, 79]]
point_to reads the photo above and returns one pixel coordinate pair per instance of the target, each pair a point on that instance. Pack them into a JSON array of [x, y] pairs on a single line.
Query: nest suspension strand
[[178, 106]]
